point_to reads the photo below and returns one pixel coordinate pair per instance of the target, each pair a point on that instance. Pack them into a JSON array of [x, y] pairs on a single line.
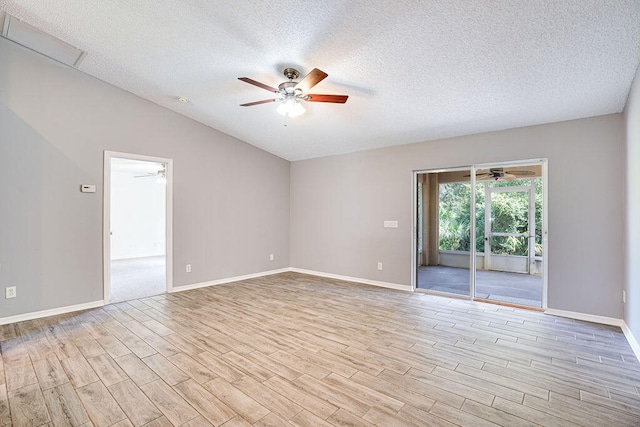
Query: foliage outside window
[[509, 215]]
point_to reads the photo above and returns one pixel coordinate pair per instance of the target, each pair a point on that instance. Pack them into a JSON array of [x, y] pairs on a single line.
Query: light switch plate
[[88, 188]]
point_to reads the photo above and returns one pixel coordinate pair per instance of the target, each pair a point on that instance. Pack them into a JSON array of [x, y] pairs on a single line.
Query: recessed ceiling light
[[183, 99]]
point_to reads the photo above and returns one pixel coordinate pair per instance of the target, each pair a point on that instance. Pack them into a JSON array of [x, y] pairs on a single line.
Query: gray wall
[[632, 285], [338, 205], [231, 200]]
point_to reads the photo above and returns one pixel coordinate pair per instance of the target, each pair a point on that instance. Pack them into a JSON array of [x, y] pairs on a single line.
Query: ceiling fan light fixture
[[289, 94], [290, 107]]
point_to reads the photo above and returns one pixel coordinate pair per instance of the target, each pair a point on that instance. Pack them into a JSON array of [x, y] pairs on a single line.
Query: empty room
[[327, 213]]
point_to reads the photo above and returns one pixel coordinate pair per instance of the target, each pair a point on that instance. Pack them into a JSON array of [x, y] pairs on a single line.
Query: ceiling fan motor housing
[[496, 172], [291, 73]]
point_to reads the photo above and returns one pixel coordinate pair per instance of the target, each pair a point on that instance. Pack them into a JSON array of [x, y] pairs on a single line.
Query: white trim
[[50, 312], [414, 232], [612, 321], [106, 225], [545, 233], [631, 339], [353, 279], [228, 280], [473, 253]]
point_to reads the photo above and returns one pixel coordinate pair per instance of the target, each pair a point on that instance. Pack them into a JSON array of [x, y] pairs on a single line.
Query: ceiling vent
[[41, 42]]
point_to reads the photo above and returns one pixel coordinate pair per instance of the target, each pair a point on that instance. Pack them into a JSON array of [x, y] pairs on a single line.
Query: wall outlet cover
[[10, 292]]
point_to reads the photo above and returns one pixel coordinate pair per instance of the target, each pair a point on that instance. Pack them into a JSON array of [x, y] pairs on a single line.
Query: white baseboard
[[612, 321], [631, 339], [50, 312], [228, 280], [603, 320], [353, 279]]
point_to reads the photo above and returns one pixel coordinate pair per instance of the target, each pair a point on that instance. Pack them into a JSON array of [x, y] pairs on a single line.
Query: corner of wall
[[632, 208]]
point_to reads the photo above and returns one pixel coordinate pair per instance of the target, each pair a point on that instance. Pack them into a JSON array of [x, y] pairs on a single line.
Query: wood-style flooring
[[298, 350]]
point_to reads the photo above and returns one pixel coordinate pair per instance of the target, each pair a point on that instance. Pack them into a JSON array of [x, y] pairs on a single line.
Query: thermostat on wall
[[88, 188]]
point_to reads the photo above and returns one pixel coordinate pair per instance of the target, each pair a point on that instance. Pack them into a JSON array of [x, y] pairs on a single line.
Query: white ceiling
[[413, 70]]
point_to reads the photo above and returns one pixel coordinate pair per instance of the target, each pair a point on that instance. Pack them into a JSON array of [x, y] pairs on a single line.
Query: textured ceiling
[[413, 70]]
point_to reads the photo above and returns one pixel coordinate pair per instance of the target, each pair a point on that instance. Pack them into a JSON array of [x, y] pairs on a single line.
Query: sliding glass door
[[482, 237], [509, 235], [443, 232]]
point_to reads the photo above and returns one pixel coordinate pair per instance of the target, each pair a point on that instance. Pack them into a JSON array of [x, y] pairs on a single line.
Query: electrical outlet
[[188, 268], [271, 257], [10, 292], [379, 266]]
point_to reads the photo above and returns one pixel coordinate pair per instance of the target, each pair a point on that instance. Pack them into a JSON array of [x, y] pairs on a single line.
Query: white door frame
[[473, 168], [488, 230], [106, 215]]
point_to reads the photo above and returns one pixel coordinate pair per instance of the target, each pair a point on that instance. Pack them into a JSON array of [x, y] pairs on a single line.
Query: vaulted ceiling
[[413, 70]]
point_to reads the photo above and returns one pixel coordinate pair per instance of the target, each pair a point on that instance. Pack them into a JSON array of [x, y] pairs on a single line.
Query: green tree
[[509, 214]]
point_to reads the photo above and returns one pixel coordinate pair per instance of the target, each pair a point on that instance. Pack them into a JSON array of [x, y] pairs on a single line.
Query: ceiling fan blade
[[266, 101], [314, 77], [260, 85], [338, 99], [481, 176], [521, 173]]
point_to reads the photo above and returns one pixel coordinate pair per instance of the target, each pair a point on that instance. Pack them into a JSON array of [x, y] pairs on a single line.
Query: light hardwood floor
[[299, 350]]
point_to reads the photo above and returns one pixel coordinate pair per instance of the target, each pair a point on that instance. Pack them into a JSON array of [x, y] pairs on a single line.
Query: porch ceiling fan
[[161, 174], [497, 173], [290, 93]]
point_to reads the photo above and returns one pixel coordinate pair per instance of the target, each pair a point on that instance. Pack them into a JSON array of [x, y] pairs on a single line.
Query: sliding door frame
[[414, 234], [472, 255]]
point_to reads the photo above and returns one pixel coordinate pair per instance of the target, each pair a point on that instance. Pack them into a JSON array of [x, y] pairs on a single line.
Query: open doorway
[[502, 206], [137, 226]]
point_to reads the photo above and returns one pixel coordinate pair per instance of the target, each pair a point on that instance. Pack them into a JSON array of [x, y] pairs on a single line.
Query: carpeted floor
[[514, 288], [137, 278]]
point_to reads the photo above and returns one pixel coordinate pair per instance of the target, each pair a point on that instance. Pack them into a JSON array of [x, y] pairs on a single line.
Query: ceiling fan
[[497, 173], [161, 174], [290, 93]]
